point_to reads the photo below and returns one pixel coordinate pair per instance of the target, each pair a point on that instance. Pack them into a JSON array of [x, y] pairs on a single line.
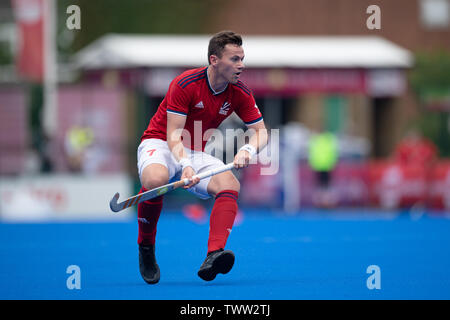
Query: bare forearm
[[259, 139], [175, 125], [176, 146]]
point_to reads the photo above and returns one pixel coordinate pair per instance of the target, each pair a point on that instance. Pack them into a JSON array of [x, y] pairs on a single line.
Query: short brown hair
[[220, 40]]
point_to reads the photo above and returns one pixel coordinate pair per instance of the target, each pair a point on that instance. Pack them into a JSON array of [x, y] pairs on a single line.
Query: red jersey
[[416, 151], [191, 95]]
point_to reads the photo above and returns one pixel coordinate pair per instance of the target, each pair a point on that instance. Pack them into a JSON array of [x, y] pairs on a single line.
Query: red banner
[[295, 81], [30, 23]]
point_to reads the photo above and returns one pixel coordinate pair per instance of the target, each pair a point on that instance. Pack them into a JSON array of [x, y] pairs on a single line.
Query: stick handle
[[215, 171], [150, 194]]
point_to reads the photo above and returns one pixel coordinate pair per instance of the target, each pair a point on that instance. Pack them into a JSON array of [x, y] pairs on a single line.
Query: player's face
[[231, 64]]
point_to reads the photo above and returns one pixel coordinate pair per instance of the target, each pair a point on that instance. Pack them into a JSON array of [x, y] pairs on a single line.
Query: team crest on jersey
[[225, 108]]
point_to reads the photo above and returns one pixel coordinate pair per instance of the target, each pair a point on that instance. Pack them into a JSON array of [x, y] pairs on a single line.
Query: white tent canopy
[[128, 51]]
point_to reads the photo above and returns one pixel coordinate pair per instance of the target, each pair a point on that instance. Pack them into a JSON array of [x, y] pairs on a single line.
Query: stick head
[[113, 203]]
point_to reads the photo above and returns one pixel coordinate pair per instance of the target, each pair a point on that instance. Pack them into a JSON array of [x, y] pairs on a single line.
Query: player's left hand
[[189, 173], [242, 159]]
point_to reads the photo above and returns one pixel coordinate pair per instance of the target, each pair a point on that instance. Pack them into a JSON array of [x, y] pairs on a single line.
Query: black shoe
[[147, 264], [218, 261]]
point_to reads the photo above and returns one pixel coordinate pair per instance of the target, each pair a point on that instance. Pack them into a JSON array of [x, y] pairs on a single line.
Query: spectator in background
[[415, 149], [322, 158], [77, 140]]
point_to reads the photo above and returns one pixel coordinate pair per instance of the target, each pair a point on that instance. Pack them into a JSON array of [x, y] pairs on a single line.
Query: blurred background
[[361, 99]]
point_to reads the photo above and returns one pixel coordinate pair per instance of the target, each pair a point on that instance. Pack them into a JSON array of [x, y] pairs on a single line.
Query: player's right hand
[[189, 172]]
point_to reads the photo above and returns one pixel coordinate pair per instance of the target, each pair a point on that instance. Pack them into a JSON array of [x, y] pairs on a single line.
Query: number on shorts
[[150, 152]]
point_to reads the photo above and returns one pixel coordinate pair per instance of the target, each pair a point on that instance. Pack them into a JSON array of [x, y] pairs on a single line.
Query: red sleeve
[[178, 100], [247, 109]]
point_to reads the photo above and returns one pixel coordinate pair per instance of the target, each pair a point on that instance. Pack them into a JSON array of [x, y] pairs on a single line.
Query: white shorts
[[157, 151]]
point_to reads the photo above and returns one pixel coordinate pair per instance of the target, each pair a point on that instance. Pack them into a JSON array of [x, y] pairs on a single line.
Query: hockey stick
[[153, 193]]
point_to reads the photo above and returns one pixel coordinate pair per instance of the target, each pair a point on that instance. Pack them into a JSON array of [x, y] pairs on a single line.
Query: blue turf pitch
[[309, 256]]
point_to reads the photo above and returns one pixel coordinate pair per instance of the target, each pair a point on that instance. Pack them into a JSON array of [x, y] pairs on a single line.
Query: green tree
[[100, 17], [5, 55], [430, 79]]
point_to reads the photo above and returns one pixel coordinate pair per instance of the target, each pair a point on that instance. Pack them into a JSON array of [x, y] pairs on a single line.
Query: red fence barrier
[[393, 185], [384, 183], [439, 186]]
